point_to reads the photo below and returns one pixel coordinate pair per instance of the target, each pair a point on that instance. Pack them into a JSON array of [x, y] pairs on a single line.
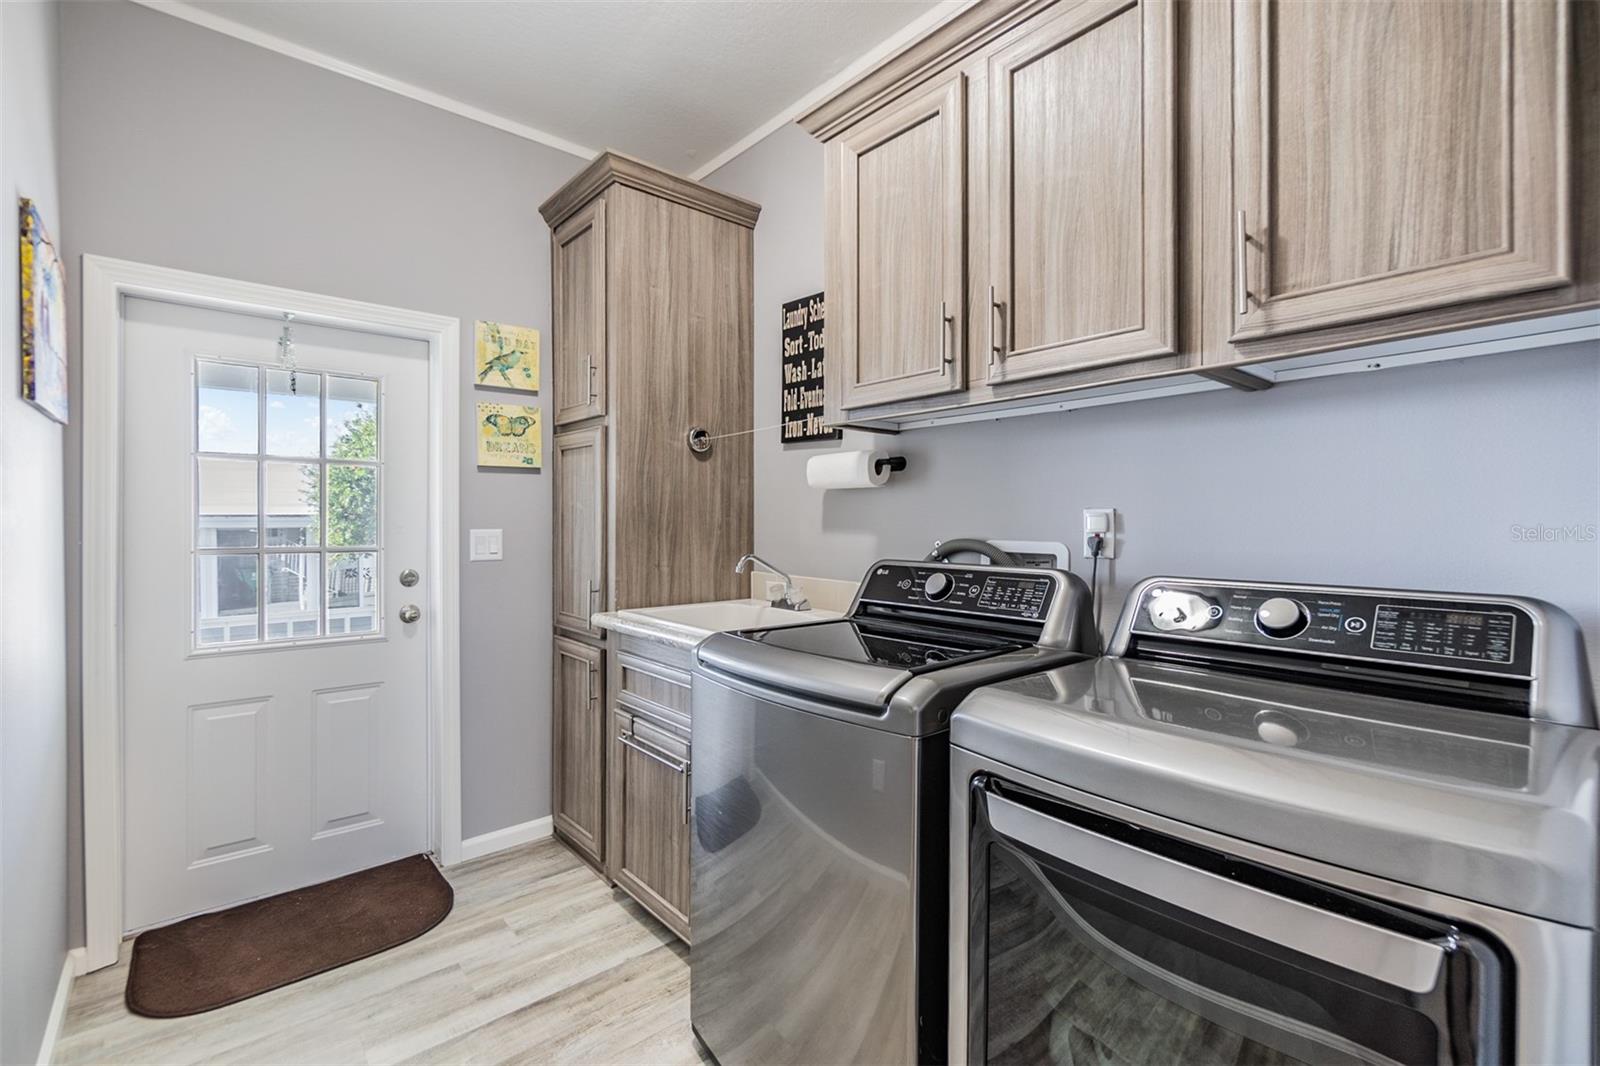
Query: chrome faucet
[[790, 599]]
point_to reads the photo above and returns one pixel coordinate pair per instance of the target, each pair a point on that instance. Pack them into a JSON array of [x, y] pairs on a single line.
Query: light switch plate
[[485, 545]]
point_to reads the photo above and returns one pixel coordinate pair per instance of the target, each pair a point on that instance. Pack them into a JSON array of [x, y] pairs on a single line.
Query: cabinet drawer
[[662, 727], [653, 651], [656, 683]]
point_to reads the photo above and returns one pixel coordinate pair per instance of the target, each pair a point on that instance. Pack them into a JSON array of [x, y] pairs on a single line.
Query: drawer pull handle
[[1240, 277], [997, 348], [946, 321], [675, 765]]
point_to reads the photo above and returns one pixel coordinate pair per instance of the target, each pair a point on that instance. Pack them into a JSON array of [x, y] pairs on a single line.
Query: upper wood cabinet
[[580, 528], [578, 295], [897, 253], [1159, 194], [1081, 184], [1391, 156], [578, 755]]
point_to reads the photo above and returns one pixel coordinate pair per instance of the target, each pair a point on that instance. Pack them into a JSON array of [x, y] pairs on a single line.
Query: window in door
[[287, 539]]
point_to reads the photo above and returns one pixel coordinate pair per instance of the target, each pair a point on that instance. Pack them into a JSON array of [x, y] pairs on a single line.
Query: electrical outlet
[[1101, 520]]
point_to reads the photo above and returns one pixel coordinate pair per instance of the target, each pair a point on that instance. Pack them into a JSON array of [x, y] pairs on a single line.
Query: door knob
[[409, 577], [410, 613]]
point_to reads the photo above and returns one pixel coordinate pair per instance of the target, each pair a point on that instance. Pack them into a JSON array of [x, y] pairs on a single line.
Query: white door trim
[[105, 282]]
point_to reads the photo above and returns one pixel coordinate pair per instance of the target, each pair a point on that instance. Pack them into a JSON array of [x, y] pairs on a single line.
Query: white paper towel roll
[[846, 470]]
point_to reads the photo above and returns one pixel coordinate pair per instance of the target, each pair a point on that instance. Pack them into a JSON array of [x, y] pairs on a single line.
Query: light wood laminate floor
[[539, 962]]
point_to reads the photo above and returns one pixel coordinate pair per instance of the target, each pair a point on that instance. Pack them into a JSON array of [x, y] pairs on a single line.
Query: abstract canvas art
[[508, 435], [44, 317], [507, 356]]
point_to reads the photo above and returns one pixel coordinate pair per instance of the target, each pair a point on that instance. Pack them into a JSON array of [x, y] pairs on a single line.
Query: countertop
[[685, 625]]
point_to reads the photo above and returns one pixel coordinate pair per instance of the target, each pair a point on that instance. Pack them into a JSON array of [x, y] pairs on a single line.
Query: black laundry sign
[[802, 371]]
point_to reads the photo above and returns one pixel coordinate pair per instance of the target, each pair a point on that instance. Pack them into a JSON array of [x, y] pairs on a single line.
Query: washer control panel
[[1404, 627], [969, 590]]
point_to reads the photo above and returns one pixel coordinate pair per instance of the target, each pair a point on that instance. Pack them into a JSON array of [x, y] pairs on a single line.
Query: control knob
[[938, 586], [1282, 617], [1282, 730], [1172, 610]]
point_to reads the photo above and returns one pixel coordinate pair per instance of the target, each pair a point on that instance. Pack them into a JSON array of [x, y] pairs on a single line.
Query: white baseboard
[[509, 837], [58, 1006]]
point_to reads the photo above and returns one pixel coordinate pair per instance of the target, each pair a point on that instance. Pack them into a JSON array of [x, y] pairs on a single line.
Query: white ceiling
[[675, 82]]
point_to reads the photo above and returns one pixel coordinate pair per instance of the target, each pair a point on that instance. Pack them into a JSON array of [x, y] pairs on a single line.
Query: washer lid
[[913, 649], [890, 678], [1485, 807]]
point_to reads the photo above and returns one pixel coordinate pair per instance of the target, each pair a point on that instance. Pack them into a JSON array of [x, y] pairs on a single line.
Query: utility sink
[[724, 615], [689, 623]]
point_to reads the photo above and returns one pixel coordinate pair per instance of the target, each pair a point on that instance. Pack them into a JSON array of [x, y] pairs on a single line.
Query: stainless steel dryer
[[821, 775], [1283, 823]]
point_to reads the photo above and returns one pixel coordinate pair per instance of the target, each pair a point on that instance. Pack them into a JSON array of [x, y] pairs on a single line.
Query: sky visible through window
[[228, 411]]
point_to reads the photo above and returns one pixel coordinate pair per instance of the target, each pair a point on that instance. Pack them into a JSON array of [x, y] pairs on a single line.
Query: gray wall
[[189, 149], [1417, 477], [33, 671]]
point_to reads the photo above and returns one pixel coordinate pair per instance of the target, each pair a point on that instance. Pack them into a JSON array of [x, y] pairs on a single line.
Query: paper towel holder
[[894, 464]]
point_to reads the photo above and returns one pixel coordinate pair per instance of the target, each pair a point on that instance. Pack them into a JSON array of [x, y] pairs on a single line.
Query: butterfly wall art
[[509, 435]]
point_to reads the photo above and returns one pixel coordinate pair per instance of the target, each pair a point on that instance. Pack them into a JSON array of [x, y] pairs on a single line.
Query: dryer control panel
[[1469, 634]]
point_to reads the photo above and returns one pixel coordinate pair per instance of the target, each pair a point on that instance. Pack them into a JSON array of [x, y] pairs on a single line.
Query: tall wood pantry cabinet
[[651, 293]]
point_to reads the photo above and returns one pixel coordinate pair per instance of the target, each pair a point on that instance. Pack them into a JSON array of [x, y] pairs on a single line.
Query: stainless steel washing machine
[[1283, 823], [820, 783]]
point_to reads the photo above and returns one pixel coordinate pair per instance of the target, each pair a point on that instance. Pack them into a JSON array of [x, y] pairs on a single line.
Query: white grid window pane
[[229, 508], [352, 430], [225, 599], [353, 592], [228, 409], [294, 595], [352, 505], [294, 510], [294, 413]]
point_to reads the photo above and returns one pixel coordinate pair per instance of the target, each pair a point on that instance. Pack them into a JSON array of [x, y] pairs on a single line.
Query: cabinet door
[[1081, 191], [580, 528], [650, 840], [578, 284], [1391, 155], [896, 267], [579, 740]]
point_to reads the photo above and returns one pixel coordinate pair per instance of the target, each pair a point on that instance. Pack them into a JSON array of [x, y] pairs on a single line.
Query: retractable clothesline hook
[[700, 438]]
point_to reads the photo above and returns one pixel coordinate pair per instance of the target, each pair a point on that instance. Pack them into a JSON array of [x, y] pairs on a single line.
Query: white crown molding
[[939, 14], [239, 31], [935, 16]]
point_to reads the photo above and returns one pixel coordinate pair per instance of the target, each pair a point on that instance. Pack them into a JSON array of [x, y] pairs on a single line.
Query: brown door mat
[[213, 960]]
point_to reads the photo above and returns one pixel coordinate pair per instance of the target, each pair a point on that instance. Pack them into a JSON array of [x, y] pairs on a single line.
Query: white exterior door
[[275, 723]]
